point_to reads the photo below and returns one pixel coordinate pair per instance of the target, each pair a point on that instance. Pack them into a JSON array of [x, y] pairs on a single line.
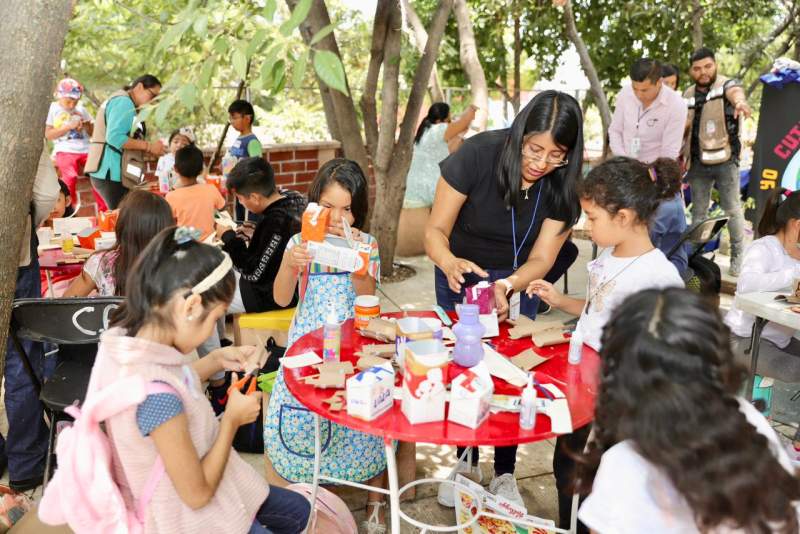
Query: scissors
[[246, 384]]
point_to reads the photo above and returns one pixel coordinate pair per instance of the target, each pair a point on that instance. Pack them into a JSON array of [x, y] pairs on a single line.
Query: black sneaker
[[543, 309], [26, 484]]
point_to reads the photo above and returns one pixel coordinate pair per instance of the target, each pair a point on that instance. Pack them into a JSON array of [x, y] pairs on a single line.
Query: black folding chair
[[75, 325], [699, 235]]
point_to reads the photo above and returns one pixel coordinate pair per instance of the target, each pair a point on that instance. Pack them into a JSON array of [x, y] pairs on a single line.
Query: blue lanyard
[[514, 229]]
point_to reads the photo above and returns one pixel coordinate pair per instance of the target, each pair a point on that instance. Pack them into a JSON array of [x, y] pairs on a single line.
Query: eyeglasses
[[153, 94], [537, 156]]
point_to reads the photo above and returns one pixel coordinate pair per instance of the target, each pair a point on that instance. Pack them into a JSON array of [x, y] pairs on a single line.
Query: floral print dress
[[288, 426]]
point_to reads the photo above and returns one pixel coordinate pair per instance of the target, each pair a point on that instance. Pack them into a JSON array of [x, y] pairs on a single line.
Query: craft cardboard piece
[[490, 323], [380, 329], [547, 338], [315, 222], [502, 368], [410, 329], [481, 294], [370, 392], [470, 396], [383, 350], [527, 360], [345, 368], [424, 374], [336, 401], [525, 327], [365, 362], [326, 380], [335, 252]]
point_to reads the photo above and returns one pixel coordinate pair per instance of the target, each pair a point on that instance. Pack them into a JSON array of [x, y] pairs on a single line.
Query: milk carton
[[424, 375], [370, 392], [470, 396], [411, 329]]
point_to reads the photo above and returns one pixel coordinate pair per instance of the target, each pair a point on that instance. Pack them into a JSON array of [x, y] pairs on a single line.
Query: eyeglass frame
[[539, 159]]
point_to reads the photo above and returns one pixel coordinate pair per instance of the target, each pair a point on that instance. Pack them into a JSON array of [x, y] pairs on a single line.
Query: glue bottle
[[575, 347], [527, 412], [331, 336]]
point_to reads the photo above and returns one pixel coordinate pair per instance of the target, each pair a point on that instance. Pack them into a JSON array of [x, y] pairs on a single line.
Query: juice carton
[[470, 396], [371, 392], [424, 373], [315, 223]]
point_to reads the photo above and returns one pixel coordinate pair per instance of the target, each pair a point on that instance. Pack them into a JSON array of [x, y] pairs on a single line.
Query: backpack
[[83, 492], [707, 278], [330, 515]]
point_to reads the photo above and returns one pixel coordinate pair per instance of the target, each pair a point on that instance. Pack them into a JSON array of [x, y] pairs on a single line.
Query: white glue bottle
[[575, 347], [331, 336], [527, 412]]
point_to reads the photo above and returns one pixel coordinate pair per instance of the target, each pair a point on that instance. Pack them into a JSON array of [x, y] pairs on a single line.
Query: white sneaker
[[446, 496], [506, 486]]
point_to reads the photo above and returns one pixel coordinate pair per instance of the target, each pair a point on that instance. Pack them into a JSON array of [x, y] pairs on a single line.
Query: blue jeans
[[25, 446], [284, 512], [726, 176], [504, 457]]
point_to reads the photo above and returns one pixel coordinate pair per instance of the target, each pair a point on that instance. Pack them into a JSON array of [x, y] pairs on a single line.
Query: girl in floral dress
[[341, 186]]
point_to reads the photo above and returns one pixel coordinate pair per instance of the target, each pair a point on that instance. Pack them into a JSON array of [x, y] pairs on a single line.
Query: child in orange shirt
[[193, 203]]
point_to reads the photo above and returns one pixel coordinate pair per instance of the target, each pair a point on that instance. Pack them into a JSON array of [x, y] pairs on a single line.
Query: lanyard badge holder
[[514, 302]]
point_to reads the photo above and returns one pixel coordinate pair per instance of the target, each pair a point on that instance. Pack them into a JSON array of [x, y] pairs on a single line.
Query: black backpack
[[706, 278]]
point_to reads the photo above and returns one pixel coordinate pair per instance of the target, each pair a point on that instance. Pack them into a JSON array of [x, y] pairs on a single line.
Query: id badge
[[513, 307], [636, 144]]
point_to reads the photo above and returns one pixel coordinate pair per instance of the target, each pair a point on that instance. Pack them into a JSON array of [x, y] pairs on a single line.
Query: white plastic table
[[764, 307]]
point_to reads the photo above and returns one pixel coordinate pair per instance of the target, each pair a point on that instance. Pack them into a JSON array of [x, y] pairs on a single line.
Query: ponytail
[[147, 81], [438, 112], [779, 211], [625, 183]]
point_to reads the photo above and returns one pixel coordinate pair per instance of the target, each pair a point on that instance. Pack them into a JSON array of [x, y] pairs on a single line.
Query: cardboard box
[[470, 396], [370, 392], [335, 252], [410, 329], [424, 374], [105, 241], [315, 223]]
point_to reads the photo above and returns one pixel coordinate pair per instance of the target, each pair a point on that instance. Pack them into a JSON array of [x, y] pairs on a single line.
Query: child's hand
[[337, 228], [545, 291], [157, 148], [298, 257], [245, 358], [501, 301], [75, 123], [221, 228], [242, 409]]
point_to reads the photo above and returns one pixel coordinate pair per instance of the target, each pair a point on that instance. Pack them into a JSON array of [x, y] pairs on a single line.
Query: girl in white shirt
[[619, 196], [674, 449], [771, 263]]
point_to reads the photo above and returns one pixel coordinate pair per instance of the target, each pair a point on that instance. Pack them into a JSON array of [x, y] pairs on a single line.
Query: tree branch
[[793, 38], [391, 76], [468, 53], [421, 38], [435, 34], [760, 47], [369, 107]]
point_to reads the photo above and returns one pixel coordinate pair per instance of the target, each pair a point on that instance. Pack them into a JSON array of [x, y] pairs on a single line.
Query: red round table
[[577, 382], [49, 263]]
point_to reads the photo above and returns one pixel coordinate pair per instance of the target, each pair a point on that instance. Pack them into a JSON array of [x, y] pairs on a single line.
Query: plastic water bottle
[[163, 182], [331, 336], [527, 412], [468, 350], [575, 347]]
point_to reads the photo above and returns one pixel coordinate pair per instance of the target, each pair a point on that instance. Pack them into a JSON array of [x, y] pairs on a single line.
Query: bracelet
[[505, 282]]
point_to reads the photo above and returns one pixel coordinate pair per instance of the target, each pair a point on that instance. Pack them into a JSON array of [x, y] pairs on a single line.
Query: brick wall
[[295, 166]]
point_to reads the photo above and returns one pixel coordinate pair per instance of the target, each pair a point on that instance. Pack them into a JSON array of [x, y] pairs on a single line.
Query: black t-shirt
[[731, 124], [483, 231]]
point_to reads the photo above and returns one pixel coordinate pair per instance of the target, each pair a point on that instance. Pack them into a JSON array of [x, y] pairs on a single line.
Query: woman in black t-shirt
[[502, 211]]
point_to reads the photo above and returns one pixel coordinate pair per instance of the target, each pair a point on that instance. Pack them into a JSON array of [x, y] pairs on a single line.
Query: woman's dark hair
[[559, 114], [670, 69], [175, 132], [68, 209], [252, 175], [147, 81], [348, 174], [438, 112], [669, 385], [164, 268], [626, 183], [779, 211], [142, 215]]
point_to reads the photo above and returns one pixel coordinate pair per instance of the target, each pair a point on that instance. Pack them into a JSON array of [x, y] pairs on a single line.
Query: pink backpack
[[331, 514], [83, 492]]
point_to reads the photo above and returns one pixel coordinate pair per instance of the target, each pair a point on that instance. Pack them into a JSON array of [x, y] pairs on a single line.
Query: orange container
[[315, 223], [367, 307], [107, 220], [86, 237]]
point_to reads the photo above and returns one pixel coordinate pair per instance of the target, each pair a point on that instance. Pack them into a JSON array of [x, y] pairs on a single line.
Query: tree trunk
[[515, 101], [697, 24], [468, 53], [338, 106], [600, 99], [369, 106], [394, 157], [420, 38], [31, 36]]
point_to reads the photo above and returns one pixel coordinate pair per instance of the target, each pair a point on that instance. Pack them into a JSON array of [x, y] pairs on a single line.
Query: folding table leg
[[394, 486], [755, 343]]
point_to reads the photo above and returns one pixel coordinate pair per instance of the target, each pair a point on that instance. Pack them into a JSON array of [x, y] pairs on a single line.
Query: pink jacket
[[241, 490]]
